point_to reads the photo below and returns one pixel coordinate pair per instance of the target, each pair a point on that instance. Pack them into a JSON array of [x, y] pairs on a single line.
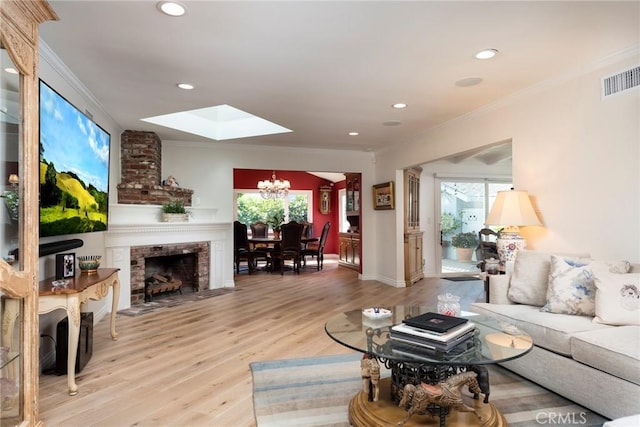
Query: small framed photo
[[383, 196], [65, 265]]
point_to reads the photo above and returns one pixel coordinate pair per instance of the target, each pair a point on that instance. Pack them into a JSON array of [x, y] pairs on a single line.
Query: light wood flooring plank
[[189, 365]]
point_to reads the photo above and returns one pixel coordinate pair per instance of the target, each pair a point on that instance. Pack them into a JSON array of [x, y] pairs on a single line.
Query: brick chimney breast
[[141, 160]]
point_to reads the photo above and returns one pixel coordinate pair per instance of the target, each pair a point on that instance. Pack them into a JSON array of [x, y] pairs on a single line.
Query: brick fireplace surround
[[134, 223], [146, 260]]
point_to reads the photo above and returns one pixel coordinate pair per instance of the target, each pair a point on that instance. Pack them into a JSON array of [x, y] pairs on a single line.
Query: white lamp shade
[[512, 208]]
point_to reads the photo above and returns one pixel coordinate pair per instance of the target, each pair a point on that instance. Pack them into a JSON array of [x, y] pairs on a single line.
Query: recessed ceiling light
[[185, 86], [11, 70], [469, 81], [486, 54], [171, 8], [354, 133], [399, 105]]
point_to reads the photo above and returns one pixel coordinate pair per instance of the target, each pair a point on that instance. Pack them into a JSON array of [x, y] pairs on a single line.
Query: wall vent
[[621, 81]]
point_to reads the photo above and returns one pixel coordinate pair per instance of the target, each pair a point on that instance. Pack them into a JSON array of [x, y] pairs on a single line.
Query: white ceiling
[[323, 69]]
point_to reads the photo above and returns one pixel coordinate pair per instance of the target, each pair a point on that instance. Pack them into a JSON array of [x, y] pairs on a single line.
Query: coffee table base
[[385, 413]]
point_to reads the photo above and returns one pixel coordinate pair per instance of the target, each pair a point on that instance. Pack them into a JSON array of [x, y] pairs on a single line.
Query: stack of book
[[433, 333]]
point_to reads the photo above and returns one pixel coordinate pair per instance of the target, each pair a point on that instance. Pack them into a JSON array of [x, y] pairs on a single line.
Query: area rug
[[316, 392], [461, 278], [174, 299]]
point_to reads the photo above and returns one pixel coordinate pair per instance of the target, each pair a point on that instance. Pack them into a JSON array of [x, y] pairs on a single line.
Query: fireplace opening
[[168, 268], [170, 273]]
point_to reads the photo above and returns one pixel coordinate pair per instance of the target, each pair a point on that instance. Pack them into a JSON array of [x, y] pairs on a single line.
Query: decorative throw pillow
[[619, 267], [530, 278], [571, 288], [617, 298]]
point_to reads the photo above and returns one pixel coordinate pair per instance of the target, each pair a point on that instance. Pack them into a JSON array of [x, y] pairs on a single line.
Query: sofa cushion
[[613, 350], [571, 288], [548, 330], [617, 298], [530, 277]]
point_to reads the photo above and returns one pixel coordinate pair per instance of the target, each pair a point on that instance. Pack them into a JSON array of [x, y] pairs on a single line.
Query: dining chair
[[317, 250], [261, 250], [290, 246], [241, 250], [486, 246]]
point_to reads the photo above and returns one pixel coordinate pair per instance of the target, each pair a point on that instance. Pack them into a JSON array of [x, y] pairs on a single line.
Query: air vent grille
[[621, 81]]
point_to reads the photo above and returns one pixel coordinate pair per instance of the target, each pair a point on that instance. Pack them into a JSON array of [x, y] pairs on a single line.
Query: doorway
[[464, 205]]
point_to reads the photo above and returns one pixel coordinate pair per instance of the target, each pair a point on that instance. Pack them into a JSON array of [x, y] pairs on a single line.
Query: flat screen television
[[74, 168]]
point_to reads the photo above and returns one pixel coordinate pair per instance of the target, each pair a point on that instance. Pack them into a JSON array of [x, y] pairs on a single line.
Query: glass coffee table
[[493, 342]]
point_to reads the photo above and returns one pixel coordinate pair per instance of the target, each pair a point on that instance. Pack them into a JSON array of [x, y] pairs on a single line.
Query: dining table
[[273, 242]]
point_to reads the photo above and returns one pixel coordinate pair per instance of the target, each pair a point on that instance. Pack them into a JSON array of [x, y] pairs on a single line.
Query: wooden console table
[[78, 291]]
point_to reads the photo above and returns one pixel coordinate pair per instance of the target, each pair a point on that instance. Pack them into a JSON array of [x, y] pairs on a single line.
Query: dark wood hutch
[[349, 242]]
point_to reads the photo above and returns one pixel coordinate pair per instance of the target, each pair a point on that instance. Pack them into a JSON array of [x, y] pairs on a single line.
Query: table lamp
[[511, 209]]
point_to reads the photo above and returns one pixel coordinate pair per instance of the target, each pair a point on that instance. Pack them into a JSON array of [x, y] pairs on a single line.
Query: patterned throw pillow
[[617, 298], [571, 288], [530, 278]]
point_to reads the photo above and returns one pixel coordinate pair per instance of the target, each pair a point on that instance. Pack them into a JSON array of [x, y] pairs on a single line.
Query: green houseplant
[[12, 200], [275, 221], [465, 243], [173, 211], [465, 240]]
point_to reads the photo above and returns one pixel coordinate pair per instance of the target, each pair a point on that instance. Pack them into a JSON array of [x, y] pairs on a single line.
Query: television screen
[[74, 168]]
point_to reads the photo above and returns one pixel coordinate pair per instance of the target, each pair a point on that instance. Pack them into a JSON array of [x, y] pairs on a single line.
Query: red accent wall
[[248, 178]]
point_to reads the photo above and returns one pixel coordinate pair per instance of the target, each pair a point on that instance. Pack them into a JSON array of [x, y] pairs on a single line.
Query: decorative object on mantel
[[274, 188], [171, 181], [174, 211]]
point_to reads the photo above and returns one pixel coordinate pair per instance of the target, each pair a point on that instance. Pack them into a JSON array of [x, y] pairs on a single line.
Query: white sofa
[[596, 365]]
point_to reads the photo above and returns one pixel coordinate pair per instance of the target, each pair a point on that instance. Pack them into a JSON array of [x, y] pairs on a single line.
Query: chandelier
[[274, 188]]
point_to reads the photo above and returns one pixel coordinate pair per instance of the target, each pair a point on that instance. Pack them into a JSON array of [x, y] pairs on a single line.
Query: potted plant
[[174, 211], [12, 200], [275, 221], [465, 243]]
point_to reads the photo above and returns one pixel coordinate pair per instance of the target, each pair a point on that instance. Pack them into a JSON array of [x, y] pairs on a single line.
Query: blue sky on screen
[[72, 141]]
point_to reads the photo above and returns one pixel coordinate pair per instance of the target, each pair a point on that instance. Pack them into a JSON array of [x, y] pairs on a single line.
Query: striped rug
[[316, 392]]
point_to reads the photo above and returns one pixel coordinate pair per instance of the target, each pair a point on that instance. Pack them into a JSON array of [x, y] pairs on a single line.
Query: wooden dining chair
[[241, 250], [290, 246], [317, 250], [262, 250]]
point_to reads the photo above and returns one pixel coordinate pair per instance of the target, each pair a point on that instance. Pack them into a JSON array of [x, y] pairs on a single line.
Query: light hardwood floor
[[189, 365]]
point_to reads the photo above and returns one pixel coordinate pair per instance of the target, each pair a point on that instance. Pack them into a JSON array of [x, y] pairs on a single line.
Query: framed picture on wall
[[383, 196], [325, 200], [65, 265]]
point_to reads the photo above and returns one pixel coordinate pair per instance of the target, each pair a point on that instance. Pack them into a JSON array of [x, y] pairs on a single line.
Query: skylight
[[220, 123]]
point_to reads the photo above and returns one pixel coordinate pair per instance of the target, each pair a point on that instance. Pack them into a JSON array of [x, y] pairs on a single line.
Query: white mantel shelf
[[138, 225]]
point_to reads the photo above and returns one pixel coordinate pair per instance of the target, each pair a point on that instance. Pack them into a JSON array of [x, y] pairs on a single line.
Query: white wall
[[576, 154]]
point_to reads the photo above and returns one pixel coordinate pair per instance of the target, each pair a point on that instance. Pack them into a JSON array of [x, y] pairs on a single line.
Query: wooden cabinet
[[413, 258], [353, 200], [349, 243], [412, 234], [19, 157], [349, 250]]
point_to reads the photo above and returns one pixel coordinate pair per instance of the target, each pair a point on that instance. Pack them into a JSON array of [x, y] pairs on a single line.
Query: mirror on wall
[[10, 122]]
